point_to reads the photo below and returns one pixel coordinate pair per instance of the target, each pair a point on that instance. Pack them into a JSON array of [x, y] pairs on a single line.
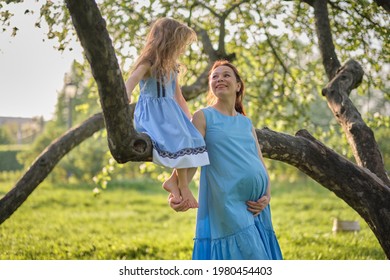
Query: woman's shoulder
[[199, 113], [209, 115], [245, 119], [206, 111]]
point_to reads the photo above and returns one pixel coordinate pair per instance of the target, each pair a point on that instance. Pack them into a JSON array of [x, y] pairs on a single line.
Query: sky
[[31, 69]]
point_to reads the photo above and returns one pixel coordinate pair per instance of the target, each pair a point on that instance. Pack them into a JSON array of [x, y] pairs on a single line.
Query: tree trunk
[[124, 142], [342, 81], [360, 137]]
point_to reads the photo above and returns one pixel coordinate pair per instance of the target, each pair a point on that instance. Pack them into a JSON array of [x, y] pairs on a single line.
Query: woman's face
[[223, 82]]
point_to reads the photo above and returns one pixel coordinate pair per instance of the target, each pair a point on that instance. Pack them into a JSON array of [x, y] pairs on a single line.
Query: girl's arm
[[181, 101], [135, 78]]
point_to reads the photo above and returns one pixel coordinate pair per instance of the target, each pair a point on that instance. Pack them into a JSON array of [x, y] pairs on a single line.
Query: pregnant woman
[[234, 217]]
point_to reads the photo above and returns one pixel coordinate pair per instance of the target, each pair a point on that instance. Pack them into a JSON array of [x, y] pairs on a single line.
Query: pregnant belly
[[228, 209], [252, 184]]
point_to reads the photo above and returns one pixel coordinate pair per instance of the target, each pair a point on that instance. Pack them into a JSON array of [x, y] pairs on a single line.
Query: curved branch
[[360, 136], [325, 41], [196, 3], [45, 163], [199, 87], [222, 31], [93, 35], [357, 186], [343, 81], [207, 45], [201, 84], [277, 56]]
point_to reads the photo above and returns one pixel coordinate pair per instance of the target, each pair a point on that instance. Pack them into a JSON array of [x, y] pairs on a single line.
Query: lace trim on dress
[[180, 153]]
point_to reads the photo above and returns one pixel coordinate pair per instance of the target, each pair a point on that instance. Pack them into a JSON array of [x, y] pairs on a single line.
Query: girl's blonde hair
[[165, 42]]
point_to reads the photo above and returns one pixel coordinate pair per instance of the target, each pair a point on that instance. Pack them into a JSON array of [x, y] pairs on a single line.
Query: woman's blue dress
[[225, 229], [176, 141]]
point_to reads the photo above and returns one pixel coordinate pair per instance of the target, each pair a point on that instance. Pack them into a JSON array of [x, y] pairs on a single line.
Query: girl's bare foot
[[171, 186], [186, 194]]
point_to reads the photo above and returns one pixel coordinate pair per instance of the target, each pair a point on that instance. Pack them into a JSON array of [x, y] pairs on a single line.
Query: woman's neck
[[225, 107]]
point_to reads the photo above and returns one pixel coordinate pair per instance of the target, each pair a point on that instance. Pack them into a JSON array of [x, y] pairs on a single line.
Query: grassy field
[[133, 221]]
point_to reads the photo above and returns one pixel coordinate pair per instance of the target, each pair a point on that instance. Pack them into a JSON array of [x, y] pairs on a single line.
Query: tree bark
[[45, 163], [124, 142], [342, 81], [324, 35], [357, 186], [360, 137]]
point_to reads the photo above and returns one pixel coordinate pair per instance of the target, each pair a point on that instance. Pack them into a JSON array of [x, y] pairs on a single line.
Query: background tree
[[5, 136], [273, 44]]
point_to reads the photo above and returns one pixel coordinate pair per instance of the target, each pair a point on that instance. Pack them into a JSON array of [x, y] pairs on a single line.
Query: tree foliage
[[272, 42]]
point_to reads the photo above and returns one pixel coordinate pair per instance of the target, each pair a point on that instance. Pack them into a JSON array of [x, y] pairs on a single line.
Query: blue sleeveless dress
[[176, 141], [225, 229]]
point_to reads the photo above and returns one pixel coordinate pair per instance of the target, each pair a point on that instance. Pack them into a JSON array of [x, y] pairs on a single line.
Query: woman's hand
[[178, 205], [257, 206]]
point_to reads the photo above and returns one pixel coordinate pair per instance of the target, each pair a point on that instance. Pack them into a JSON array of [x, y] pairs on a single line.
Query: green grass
[[303, 216], [133, 221]]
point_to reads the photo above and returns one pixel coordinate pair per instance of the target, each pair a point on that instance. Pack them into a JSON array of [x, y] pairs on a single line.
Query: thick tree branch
[[207, 45], [325, 41], [360, 136], [198, 87], [45, 163], [357, 186]]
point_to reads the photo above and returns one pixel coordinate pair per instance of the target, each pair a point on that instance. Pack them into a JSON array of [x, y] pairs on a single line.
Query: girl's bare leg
[[172, 185]]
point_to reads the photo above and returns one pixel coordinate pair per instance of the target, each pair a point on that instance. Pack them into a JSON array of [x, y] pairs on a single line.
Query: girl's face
[[223, 82]]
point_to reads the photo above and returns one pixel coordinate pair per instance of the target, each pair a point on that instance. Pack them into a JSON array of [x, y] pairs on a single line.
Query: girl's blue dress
[[176, 141], [225, 229]]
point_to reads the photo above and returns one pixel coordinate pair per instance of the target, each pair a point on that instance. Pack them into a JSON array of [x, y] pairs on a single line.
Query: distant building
[[23, 130]]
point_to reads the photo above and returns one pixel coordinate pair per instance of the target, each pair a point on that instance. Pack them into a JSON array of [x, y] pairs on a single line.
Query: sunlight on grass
[[131, 220], [303, 216]]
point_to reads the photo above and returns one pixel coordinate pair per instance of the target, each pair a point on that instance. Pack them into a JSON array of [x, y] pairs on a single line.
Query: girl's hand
[[177, 205], [257, 206]]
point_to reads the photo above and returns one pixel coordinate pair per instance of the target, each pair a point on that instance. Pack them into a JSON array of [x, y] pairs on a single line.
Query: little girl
[[162, 111]]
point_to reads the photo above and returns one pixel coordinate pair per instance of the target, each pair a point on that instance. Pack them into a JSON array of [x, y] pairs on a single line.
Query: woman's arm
[[257, 206], [135, 78], [262, 160], [199, 122], [181, 101]]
